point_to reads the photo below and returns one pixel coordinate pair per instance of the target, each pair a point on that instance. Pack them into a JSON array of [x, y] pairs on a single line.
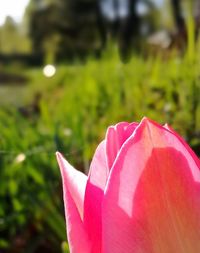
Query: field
[[70, 113]]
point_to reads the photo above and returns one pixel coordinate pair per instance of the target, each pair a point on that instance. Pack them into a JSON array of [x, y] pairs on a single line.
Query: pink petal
[[152, 199], [99, 172], [115, 138], [77, 236], [73, 194], [93, 196], [74, 181]]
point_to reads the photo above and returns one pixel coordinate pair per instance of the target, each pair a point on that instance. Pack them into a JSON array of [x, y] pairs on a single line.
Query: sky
[[13, 8], [108, 11], [16, 8]]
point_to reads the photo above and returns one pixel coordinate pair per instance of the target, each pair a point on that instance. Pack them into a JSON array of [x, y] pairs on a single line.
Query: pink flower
[[142, 194]]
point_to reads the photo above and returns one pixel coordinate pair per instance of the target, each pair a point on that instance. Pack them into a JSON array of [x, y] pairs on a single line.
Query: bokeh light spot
[[49, 70]]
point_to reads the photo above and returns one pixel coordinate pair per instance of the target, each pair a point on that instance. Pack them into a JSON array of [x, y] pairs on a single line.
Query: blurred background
[[68, 70]]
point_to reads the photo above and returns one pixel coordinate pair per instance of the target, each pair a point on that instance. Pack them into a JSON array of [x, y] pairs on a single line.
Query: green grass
[[76, 107]]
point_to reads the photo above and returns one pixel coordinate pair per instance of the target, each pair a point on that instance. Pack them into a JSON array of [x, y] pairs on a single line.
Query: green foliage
[[76, 107]]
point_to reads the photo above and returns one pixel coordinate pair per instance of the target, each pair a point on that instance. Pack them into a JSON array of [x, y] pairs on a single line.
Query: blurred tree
[[62, 29], [186, 15], [76, 25], [9, 34], [12, 38], [125, 19], [40, 16], [178, 15]]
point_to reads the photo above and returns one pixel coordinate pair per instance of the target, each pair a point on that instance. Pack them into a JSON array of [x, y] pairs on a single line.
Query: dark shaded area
[[12, 79], [24, 59], [179, 20]]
